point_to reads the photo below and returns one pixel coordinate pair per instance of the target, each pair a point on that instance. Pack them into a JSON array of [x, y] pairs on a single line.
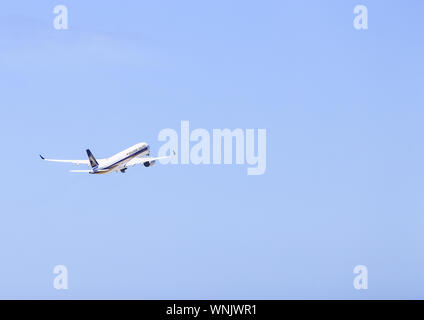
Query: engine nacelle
[[149, 163]]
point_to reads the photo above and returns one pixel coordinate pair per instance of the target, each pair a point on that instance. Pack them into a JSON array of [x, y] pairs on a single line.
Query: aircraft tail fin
[[93, 161]]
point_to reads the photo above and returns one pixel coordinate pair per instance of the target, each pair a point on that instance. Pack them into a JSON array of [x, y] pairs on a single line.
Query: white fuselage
[[118, 161]]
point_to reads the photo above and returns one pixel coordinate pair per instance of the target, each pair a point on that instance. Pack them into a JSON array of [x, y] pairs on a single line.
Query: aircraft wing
[[143, 160], [87, 162]]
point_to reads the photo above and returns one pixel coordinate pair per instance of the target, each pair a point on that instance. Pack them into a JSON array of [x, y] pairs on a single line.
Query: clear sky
[[343, 110]]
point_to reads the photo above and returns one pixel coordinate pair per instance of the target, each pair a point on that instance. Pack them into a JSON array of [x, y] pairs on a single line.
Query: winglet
[[41, 157]]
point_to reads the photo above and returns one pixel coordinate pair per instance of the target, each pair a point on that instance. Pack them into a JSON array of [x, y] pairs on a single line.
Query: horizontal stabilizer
[[86, 171]]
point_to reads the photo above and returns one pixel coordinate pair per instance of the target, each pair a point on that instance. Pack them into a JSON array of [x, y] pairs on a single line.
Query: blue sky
[[343, 110]]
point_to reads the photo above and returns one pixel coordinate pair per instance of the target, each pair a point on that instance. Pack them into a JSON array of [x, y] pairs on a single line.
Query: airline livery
[[137, 154]]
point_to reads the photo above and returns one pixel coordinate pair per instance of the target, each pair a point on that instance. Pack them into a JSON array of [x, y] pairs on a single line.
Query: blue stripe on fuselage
[[118, 162]]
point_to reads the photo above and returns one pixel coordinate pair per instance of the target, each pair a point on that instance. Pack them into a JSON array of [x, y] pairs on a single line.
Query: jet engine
[[149, 163]]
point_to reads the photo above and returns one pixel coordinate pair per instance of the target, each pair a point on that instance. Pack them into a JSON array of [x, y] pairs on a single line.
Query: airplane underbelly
[[101, 172]]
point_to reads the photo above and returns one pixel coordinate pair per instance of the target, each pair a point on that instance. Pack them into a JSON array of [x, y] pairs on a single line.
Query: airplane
[[120, 162]]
